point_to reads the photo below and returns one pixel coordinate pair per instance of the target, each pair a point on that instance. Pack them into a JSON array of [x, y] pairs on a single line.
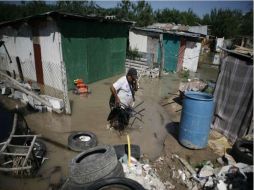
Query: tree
[[168, 16], [246, 27], [189, 18], [125, 9], [143, 13], [224, 23]]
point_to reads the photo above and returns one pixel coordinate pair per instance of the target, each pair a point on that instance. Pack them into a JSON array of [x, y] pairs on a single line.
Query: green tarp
[[93, 50]]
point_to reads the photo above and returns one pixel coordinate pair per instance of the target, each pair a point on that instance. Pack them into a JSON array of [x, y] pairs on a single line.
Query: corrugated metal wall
[[93, 50]]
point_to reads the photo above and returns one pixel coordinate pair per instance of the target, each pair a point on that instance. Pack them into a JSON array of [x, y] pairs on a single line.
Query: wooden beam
[[15, 169], [18, 86], [161, 55]]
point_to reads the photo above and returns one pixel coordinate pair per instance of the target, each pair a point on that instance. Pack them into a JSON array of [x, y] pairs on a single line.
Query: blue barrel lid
[[198, 96]]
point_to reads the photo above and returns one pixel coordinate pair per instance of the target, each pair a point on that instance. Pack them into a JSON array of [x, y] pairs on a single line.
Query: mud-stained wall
[[152, 48], [191, 55], [18, 43], [51, 50]]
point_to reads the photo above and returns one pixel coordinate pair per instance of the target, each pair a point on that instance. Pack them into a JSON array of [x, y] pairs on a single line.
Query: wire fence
[[49, 79]]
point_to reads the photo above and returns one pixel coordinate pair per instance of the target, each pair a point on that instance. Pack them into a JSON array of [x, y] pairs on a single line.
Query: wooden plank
[[17, 146], [25, 136], [13, 154], [18, 86], [29, 151], [14, 169]]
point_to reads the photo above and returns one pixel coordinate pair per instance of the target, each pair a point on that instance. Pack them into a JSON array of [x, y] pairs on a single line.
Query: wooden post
[[19, 69], [64, 81], [161, 55]]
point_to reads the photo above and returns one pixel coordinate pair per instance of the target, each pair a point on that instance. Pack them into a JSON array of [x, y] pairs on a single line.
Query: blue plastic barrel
[[196, 119]]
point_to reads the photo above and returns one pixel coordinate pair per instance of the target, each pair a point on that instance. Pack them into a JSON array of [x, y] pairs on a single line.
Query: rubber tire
[[93, 164], [124, 182], [117, 172], [70, 185], [75, 144], [122, 149], [39, 150], [241, 156]]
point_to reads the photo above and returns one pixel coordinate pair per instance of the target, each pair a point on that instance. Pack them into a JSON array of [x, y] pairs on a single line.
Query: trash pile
[[28, 92], [192, 85], [143, 173], [222, 175]]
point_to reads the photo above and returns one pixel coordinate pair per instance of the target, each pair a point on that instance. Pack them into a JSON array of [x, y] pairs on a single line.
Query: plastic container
[[196, 119]]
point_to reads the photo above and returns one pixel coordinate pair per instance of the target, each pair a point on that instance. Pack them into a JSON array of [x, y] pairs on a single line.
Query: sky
[[199, 7]]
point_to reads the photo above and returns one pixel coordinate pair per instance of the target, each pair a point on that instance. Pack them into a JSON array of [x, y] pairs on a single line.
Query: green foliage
[[222, 23], [143, 13], [229, 23], [177, 17], [133, 54], [184, 74]]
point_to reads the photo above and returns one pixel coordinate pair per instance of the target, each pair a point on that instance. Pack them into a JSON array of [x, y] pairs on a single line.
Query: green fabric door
[[171, 46]]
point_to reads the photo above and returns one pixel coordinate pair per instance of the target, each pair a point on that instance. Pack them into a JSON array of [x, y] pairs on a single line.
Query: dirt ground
[[156, 134]]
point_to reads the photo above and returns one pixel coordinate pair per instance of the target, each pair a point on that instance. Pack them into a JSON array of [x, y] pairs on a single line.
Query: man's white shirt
[[124, 92]]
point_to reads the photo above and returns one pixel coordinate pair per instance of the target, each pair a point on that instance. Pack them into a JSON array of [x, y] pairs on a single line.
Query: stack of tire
[[91, 165], [97, 166]]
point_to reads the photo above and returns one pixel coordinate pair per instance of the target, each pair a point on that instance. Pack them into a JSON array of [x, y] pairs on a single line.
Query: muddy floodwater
[[89, 113]]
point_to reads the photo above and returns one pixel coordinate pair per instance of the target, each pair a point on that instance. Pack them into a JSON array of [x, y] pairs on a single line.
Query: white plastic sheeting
[[138, 41], [219, 44], [191, 55]]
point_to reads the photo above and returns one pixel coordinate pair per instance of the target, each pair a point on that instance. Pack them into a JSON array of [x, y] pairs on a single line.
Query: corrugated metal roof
[[65, 15], [169, 26], [237, 53], [199, 29], [178, 33]]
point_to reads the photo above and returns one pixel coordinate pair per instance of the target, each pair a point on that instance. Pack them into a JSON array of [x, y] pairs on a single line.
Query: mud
[[89, 113]]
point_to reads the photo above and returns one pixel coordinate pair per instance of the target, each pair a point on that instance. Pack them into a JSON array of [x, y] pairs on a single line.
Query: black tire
[[76, 144], [117, 172], [123, 149], [39, 150], [93, 164], [70, 185], [242, 151], [117, 183]]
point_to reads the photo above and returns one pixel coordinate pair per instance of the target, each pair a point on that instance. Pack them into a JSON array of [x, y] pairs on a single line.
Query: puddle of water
[[90, 114]]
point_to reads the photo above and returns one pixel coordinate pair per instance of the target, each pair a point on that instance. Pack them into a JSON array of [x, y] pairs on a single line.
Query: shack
[[181, 47], [55, 48], [233, 114]]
